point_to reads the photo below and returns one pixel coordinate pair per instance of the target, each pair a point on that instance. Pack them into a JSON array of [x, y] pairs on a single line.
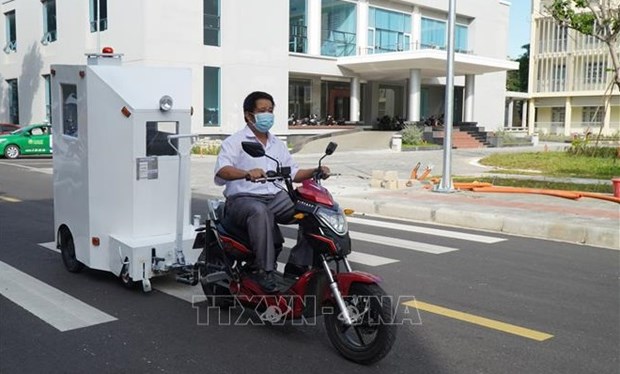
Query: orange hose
[[557, 193], [470, 185], [600, 196]]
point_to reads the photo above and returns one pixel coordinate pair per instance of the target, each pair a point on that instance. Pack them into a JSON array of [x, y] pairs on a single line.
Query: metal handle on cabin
[[182, 136]]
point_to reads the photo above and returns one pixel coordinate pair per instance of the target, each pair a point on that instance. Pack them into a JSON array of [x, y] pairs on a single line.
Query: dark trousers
[[259, 216]]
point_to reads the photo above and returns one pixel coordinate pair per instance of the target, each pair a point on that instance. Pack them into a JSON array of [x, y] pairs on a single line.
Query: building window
[[558, 79], [388, 31], [460, 39], [211, 100], [13, 101], [211, 22], [49, 21], [558, 114], [433, 33], [339, 23], [299, 99], [591, 116], [298, 30], [594, 72], [11, 32], [98, 12], [559, 42], [48, 98]]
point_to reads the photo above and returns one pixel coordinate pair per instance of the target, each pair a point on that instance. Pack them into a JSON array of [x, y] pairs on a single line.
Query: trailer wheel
[[67, 251]]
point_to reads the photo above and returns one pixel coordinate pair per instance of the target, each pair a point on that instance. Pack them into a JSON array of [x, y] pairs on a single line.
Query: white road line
[[51, 246], [169, 286], [31, 168], [401, 243], [357, 257], [427, 230], [62, 311]]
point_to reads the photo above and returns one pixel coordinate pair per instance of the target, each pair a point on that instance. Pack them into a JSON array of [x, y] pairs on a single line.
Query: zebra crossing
[[53, 306]]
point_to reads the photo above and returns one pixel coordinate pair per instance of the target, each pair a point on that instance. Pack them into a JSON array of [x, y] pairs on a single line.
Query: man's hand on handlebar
[[322, 172], [254, 174]]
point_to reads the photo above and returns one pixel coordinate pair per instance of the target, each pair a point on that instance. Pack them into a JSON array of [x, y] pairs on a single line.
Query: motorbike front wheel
[[373, 332]]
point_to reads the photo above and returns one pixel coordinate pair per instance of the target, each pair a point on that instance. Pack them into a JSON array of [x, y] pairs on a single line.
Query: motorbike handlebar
[[272, 176]]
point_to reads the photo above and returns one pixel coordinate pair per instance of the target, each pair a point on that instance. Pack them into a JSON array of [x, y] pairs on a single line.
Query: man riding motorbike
[[258, 207]]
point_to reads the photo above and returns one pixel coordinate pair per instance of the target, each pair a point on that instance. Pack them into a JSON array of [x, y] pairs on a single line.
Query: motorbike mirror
[[331, 147], [253, 149]]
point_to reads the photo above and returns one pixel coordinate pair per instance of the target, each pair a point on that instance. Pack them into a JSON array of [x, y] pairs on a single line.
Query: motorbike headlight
[[334, 219]]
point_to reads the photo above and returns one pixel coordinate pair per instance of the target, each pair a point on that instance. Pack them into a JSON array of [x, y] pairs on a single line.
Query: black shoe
[[294, 271], [265, 280]]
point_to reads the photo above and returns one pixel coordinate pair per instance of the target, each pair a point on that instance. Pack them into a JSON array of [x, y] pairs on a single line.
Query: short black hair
[[250, 101]]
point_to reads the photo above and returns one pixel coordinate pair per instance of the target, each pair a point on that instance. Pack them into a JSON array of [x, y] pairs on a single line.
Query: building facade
[[353, 60], [570, 80]]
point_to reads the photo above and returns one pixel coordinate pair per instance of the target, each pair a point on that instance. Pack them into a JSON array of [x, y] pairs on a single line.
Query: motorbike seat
[[234, 232]]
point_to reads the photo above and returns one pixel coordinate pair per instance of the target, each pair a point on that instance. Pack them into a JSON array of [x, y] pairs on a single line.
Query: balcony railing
[[401, 48], [337, 43], [298, 39]]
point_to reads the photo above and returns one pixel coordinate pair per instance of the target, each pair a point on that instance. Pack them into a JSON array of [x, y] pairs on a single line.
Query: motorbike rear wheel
[[372, 334], [216, 293]]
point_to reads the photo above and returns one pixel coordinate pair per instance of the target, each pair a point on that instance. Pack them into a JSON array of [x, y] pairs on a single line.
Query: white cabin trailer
[[118, 183]]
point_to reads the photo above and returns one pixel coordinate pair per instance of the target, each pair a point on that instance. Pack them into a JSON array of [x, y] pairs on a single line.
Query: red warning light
[[107, 50]]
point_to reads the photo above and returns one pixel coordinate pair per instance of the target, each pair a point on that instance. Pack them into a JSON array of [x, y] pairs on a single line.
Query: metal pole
[[445, 185]]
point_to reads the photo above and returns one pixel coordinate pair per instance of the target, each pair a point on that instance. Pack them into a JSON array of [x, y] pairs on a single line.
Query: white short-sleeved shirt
[[231, 154]]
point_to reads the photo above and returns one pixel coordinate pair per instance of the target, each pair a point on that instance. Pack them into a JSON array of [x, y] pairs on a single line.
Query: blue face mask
[[263, 121]]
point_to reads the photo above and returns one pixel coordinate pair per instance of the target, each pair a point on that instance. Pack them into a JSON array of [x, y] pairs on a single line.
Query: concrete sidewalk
[[589, 221]]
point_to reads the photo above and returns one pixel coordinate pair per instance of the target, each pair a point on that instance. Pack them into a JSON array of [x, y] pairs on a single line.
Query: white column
[[416, 22], [314, 27], [362, 28], [415, 85], [354, 105], [470, 88], [531, 115], [511, 108], [568, 114], [524, 114]]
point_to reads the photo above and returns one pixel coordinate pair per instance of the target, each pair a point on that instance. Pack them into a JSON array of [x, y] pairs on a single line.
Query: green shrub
[[412, 134], [208, 149]]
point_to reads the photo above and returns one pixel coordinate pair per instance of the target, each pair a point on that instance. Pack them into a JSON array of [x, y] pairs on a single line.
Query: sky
[[519, 31]]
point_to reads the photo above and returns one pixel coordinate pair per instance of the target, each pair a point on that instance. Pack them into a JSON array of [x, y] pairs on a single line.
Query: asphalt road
[[565, 296]]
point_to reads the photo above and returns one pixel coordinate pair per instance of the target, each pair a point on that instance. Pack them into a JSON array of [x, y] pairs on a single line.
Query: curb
[[559, 231]]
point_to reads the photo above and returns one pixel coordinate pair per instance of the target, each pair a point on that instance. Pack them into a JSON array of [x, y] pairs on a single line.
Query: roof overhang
[[432, 64]]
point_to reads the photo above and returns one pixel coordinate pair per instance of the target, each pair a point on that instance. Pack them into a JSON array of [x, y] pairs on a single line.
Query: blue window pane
[[460, 42], [298, 31], [338, 20], [433, 33], [211, 100], [391, 29]]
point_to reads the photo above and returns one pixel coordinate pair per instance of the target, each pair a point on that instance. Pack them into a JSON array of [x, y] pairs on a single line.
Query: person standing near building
[[258, 207]]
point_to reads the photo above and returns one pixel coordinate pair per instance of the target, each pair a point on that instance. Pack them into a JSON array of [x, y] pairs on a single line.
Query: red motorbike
[[358, 316]]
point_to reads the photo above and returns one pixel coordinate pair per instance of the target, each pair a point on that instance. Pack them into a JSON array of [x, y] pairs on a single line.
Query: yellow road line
[[10, 199], [481, 321]]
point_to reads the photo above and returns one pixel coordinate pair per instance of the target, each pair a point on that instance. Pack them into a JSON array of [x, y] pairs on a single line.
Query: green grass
[[555, 164]]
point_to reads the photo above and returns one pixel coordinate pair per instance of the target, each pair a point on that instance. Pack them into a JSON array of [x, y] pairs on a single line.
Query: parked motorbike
[[357, 315]]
